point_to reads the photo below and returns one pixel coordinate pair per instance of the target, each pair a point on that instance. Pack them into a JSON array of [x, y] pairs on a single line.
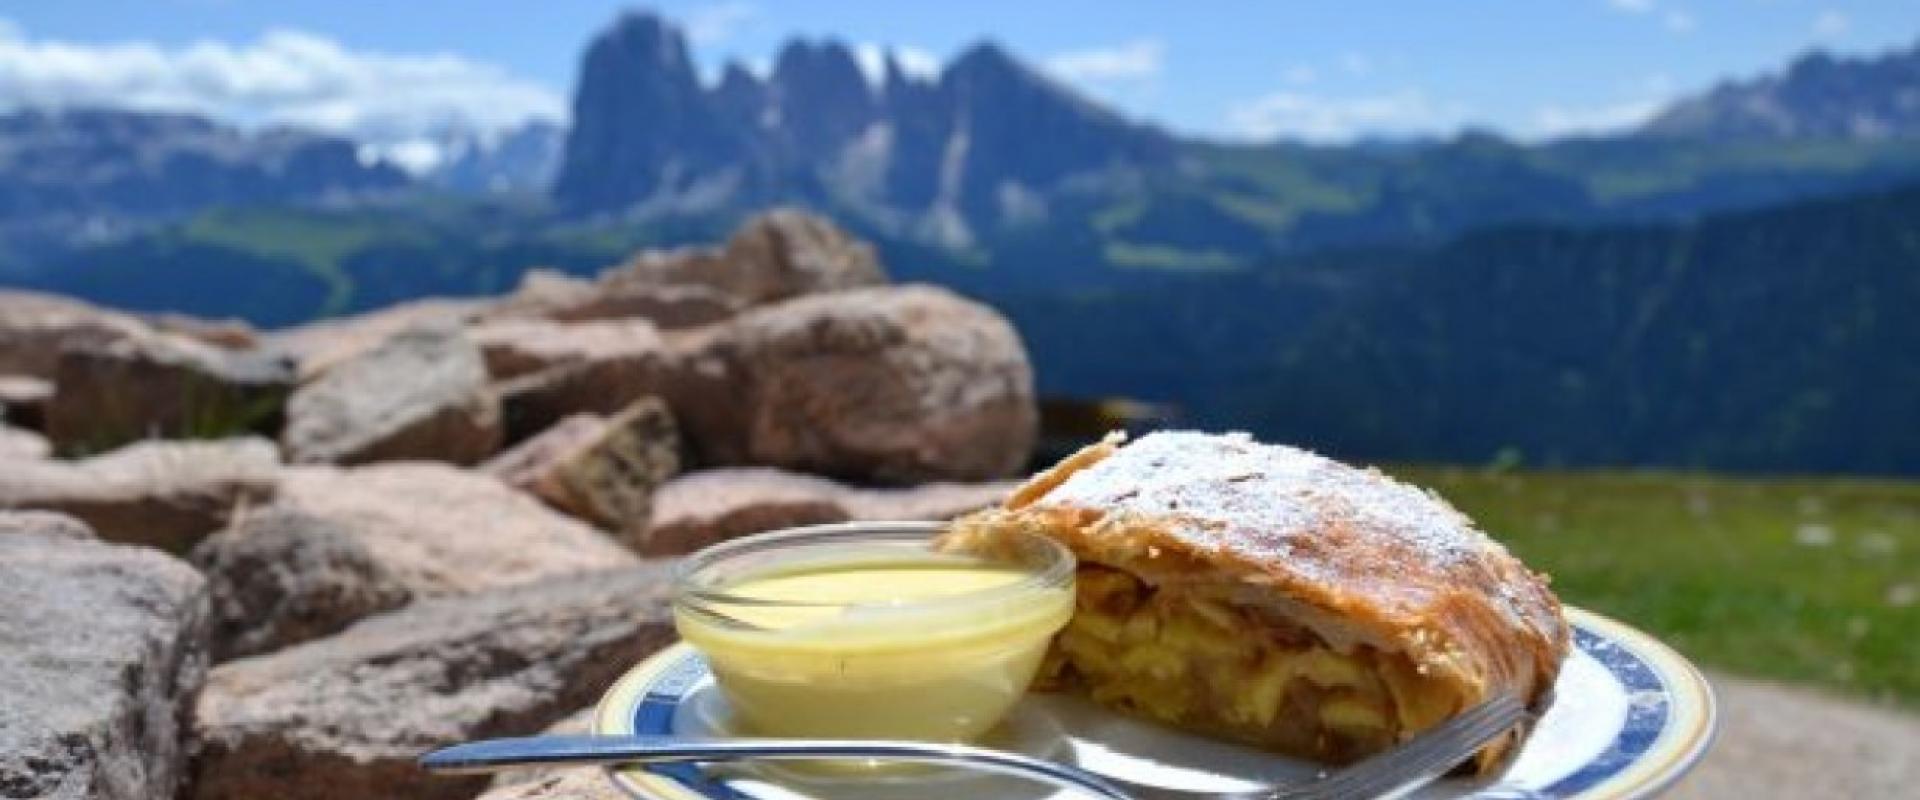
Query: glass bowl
[[867, 630]]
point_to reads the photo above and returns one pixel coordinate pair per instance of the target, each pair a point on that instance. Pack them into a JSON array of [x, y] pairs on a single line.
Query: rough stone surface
[[775, 256], [347, 715], [522, 465], [319, 346], [44, 523], [609, 479], [702, 508], [227, 334], [421, 394], [1777, 741], [534, 402], [341, 544], [572, 784], [104, 650], [579, 723], [24, 399], [515, 347], [897, 385], [546, 294], [160, 384], [167, 494], [35, 328], [18, 445]]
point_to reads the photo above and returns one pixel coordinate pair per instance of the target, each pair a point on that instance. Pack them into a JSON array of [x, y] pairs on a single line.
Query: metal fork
[[1389, 774]]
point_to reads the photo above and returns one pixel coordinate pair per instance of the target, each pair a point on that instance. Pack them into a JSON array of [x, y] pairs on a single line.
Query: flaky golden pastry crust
[[1350, 554]]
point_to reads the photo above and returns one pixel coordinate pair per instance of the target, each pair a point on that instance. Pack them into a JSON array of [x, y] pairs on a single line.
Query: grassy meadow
[[1814, 581]]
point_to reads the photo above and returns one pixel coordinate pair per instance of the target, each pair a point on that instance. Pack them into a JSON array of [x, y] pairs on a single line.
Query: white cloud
[[713, 24], [393, 102], [1831, 24], [914, 61], [1323, 118], [1675, 20], [1554, 121], [1138, 60], [1300, 75]]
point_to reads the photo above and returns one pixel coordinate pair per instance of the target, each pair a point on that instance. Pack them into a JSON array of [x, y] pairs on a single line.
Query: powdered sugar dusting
[[1267, 502]]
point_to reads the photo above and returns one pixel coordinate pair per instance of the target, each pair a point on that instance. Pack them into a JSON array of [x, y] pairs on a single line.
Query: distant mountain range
[[85, 175], [1726, 287], [1819, 96]]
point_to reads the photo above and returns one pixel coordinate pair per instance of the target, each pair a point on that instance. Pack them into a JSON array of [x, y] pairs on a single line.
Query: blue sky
[[1315, 69]]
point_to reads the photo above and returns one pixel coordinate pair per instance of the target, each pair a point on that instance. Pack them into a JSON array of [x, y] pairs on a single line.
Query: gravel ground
[[1781, 742]]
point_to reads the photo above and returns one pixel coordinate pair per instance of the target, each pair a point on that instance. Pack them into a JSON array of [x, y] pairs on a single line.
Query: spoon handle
[[493, 755]]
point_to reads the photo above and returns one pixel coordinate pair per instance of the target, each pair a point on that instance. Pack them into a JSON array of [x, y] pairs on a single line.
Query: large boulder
[[35, 328], [421, 394], [902, 384], [346, 716], [775, 256], [341, 544], [515, 347], [606, 476], [523, 465], [158, 384], [18, 445], [603, 383], [545, 294], [227, 334], [320, 346], [24, 400], [711, 506], [167, 494], [105, 649]]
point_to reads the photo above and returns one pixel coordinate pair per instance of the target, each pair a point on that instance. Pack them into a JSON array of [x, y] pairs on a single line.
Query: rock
[[515, 347], [898, 385], [227, 334], [347, 715], [523, 465], [35, 328], [711, 506], [610, 479], [932, 501], [43, 523], [341, 544], [579, 723], [157, 384], [775, 256], [546, 294], [23, 401], [20, 445], [421, 394], [105, 650], [605, 384], [571, 784], [166, 494], [319, 346]]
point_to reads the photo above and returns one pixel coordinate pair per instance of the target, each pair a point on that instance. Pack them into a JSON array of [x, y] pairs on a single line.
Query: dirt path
[[1791, 743]]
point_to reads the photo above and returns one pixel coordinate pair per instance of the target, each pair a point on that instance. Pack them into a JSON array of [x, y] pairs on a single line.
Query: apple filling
[[1194, 661]]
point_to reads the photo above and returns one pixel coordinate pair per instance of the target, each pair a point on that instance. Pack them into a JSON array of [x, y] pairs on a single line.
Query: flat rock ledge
[[346, 716]]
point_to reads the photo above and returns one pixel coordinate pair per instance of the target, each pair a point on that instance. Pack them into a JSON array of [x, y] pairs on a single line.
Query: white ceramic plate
[[1629, 717]]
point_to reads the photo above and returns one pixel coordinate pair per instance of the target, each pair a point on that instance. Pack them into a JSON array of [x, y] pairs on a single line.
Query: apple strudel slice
[[1267, 595]]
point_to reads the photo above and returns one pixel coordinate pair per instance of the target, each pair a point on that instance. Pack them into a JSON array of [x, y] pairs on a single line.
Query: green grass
[[318, 241], [1811, 581]]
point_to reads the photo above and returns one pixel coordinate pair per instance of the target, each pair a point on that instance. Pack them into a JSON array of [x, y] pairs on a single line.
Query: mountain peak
[[1818, 96]]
